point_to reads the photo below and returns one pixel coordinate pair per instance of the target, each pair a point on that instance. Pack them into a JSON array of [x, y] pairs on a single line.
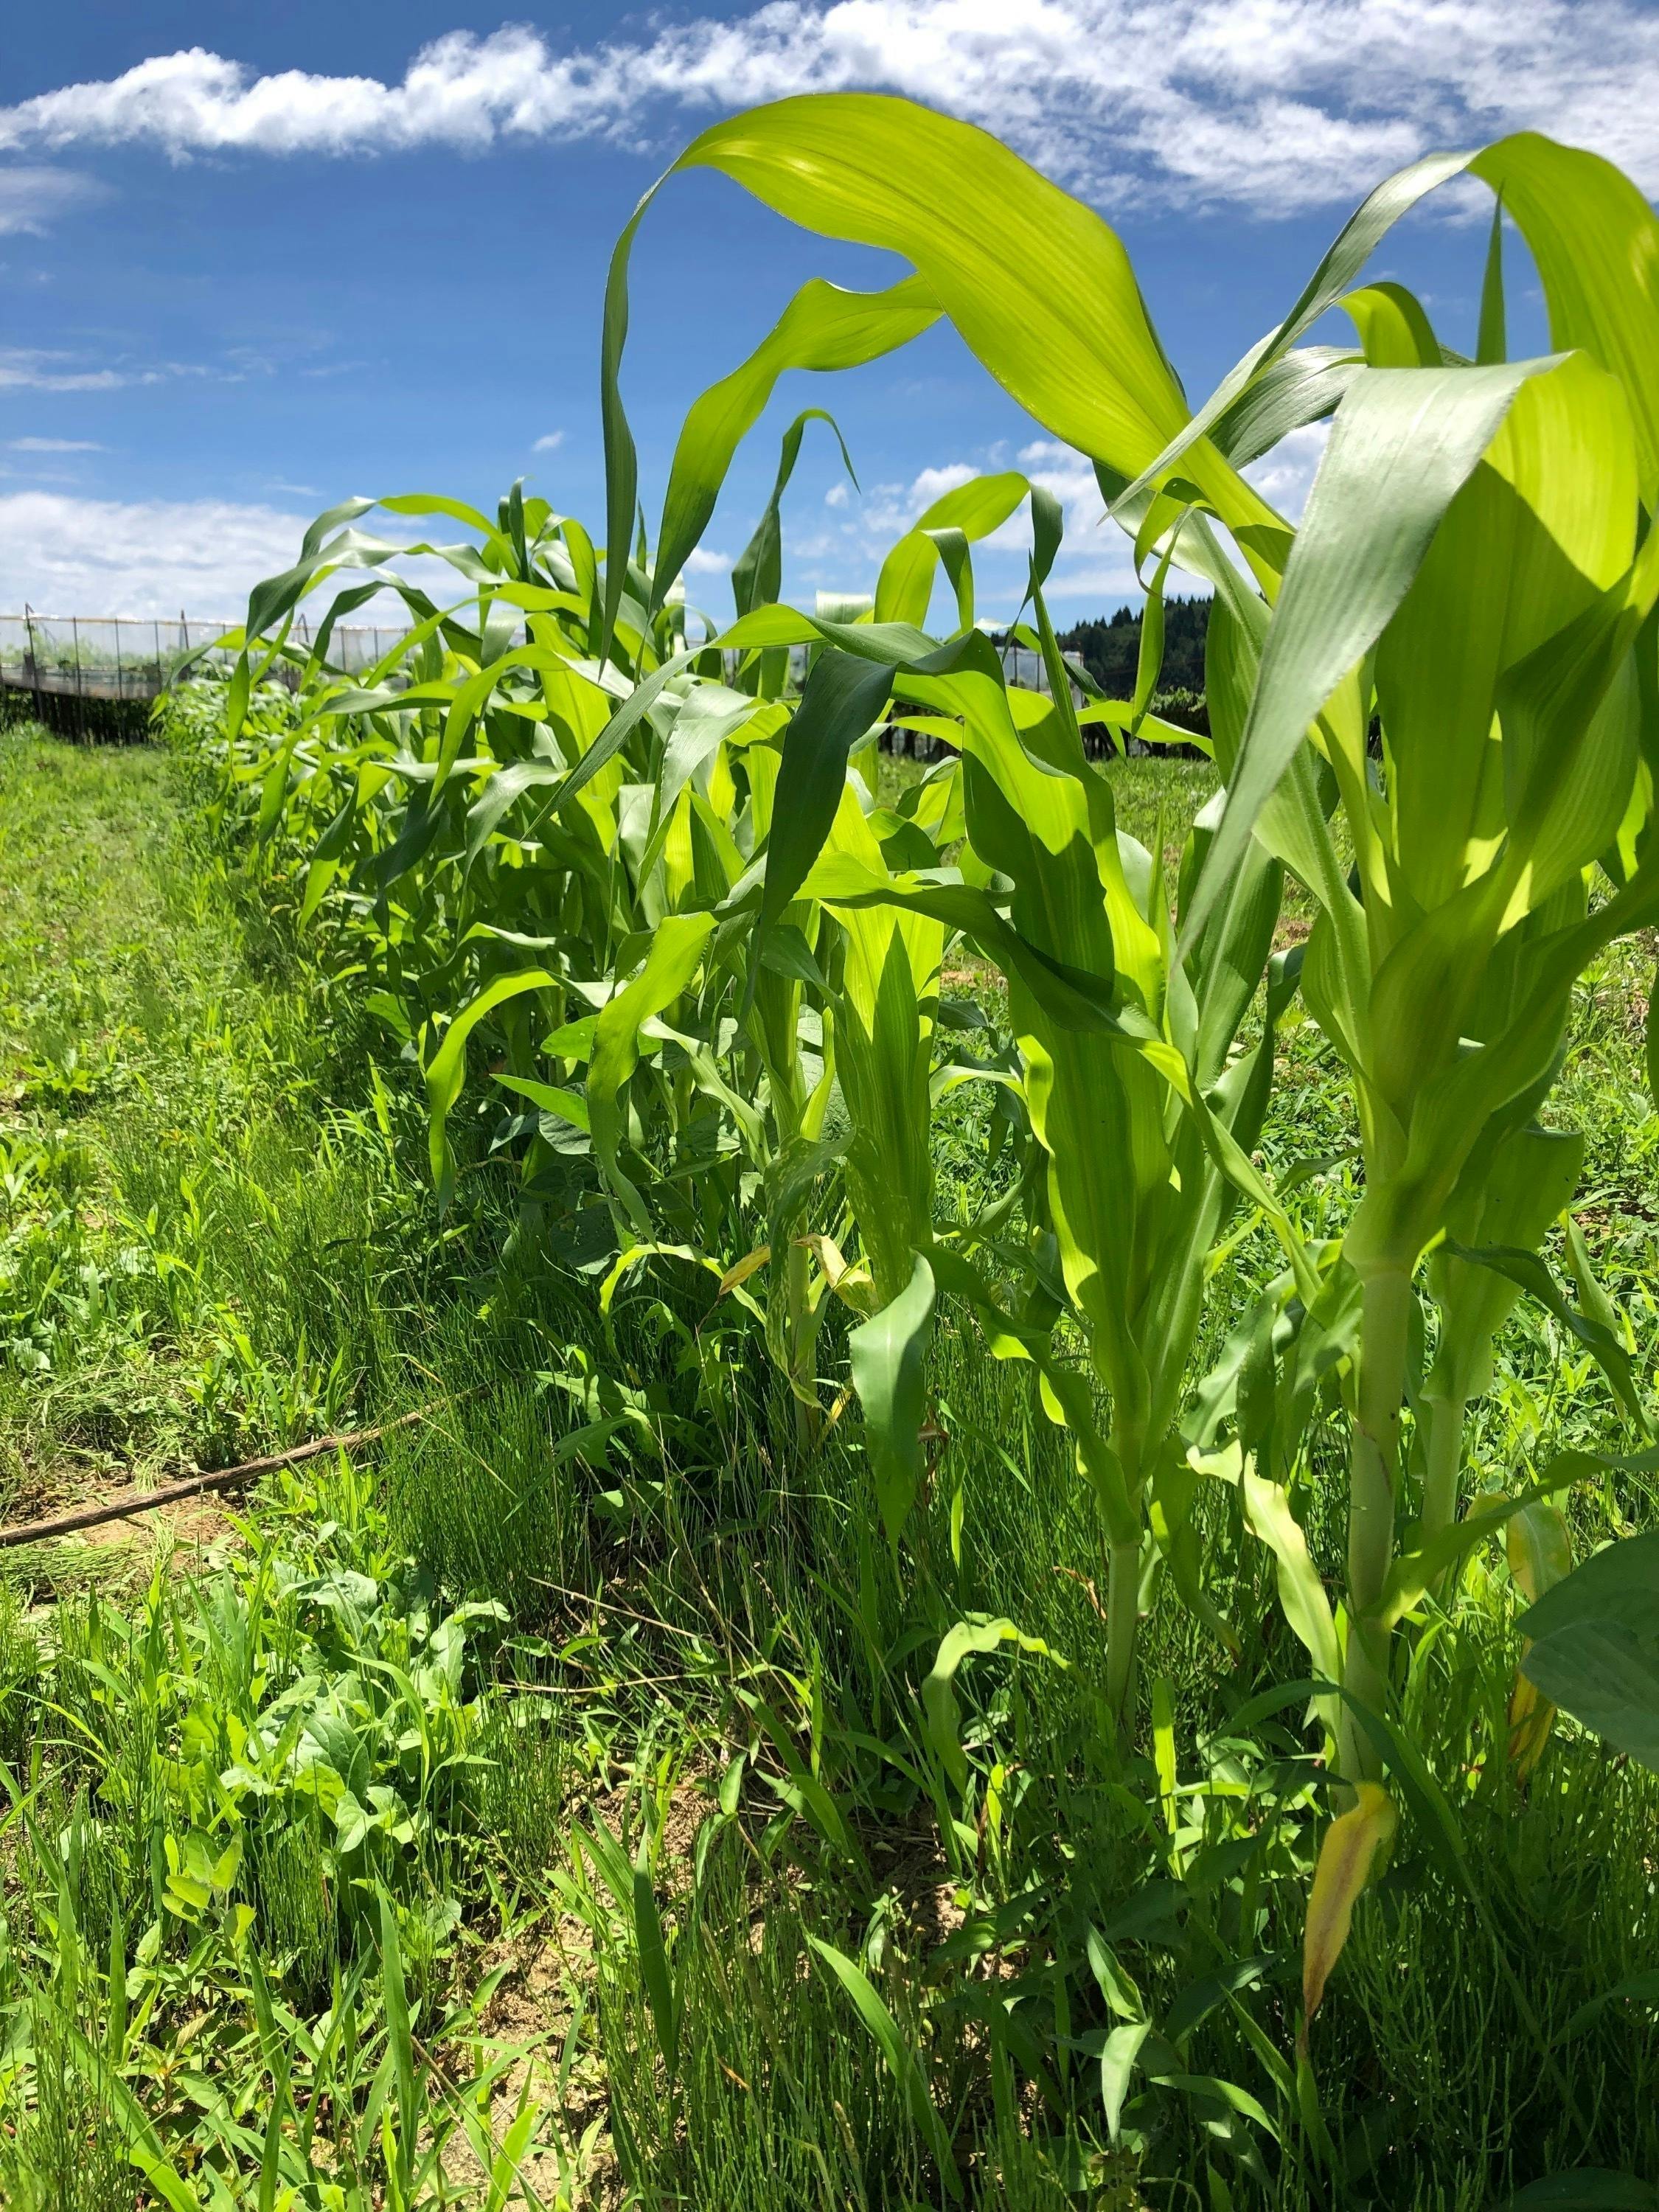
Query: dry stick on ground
[[193, 1486]]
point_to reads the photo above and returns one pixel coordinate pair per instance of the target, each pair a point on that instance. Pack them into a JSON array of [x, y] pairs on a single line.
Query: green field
[[517, 1672], [797, 1413]]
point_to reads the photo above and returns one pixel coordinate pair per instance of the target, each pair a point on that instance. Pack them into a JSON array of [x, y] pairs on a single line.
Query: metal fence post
[[34, 655]]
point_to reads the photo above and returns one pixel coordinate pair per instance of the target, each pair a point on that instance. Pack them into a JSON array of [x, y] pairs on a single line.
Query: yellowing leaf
[[741, 1270], [1345, 1857]]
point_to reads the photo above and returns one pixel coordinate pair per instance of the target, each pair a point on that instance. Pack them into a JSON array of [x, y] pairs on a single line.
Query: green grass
[[513, 1659]]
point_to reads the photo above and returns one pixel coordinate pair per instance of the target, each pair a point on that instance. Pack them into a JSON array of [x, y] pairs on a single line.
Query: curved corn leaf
[[1040, 288], [886, 1354], [823, 327], [844, 696], [446, 1070], [675, 950], [1531, 1273], [968, 1639]]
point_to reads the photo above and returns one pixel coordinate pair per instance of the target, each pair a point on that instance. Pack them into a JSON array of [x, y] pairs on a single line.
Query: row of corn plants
[[636, 863]]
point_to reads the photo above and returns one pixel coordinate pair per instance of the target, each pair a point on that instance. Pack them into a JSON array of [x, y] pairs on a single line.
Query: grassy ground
[[491, 1802]]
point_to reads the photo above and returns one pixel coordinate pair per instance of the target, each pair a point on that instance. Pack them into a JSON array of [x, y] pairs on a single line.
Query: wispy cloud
[[1279, 105], [40, 368], [550, 444], [31, 199], [54, 446], [33, 368]]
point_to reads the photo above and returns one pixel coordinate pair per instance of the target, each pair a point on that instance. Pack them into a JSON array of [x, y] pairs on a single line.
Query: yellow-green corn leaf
[[1394, 329], [884, 1056], [446, 1070], [1593, 237], [1299, 387], [577, 711], [844, 696], [1164, 1751], [968, 1639], [1345, 1858], [1403, 443], [1107, 1118], [940, 536], [1404, 1209], [1039, 287], [886, 1354], [1269, 1517], [1414, 1573], [1545, 523], [1353, 246], [1595, 241], [823, 327], [1540, 1548], [757, 571], [676, 950], [1529, 1178]]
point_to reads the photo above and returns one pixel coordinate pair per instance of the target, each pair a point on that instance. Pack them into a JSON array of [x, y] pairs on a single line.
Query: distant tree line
[[1110, 645]]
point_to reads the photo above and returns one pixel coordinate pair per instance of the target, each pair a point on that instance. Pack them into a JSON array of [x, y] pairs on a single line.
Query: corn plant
[[1143, 1113], [480, 802], [1474, 570]]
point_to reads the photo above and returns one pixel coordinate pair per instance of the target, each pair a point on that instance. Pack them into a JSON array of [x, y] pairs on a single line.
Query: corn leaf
[[823, 327], [676, 950], [1345, 1857], [446, 1070], [1403, 442], [885, 1353]]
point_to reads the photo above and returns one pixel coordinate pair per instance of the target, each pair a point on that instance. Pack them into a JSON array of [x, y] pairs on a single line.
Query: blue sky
[[253, 261]]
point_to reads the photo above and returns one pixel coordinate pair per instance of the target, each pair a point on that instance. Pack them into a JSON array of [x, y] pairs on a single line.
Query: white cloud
[[54, 446], [704, 561], [97, 556], [28, 369], [836, 495], [31, 197], [933, 484], [550, 444], [1277, 104], [36, 368], [149, 557]]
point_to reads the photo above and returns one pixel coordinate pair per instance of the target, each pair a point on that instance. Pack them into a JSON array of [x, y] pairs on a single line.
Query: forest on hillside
[[1110, 644]]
